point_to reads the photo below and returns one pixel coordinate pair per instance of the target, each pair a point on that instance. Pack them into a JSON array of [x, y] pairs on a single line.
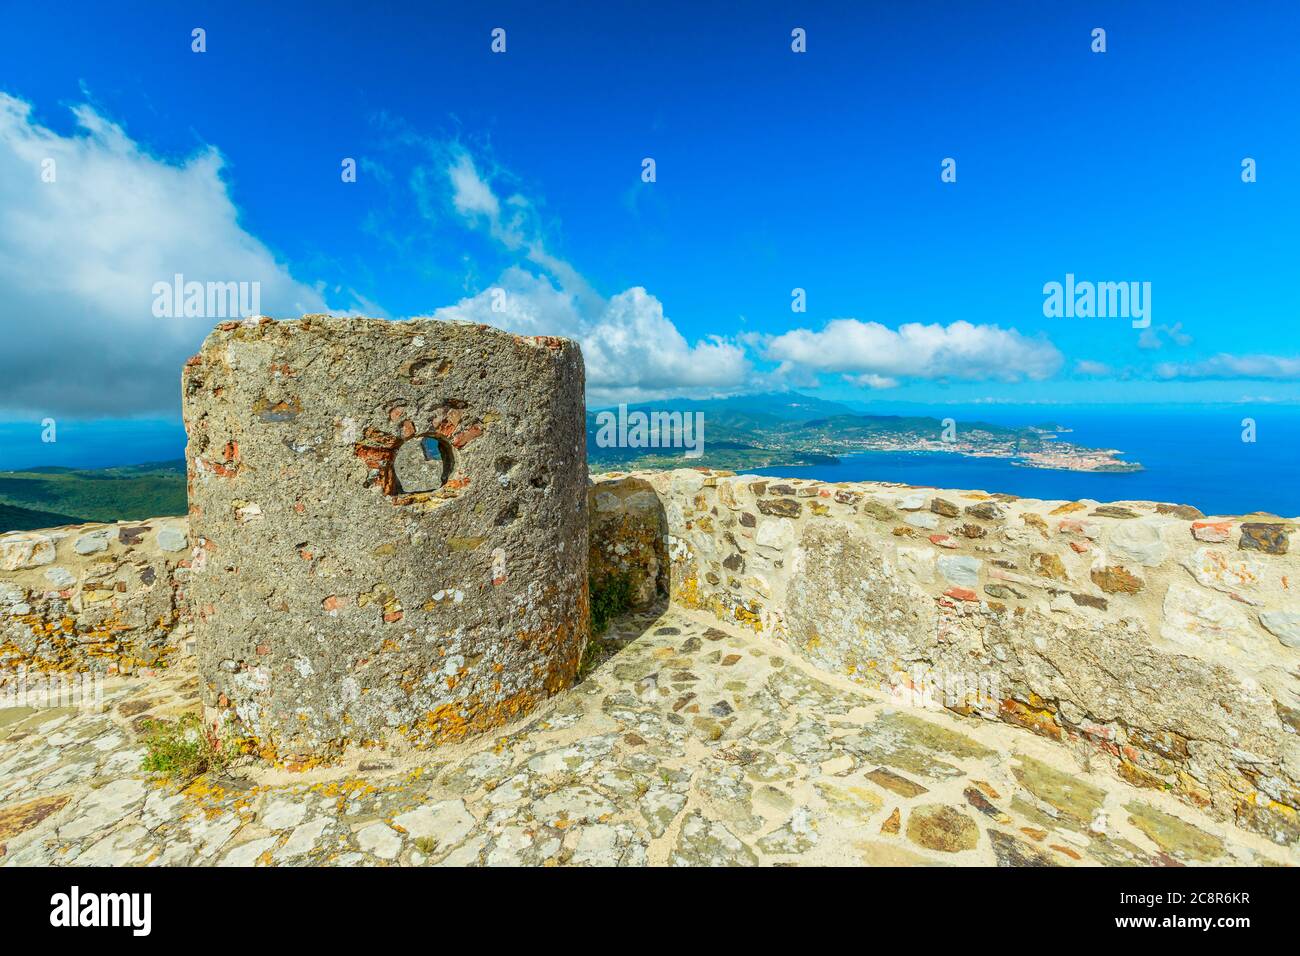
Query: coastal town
[[754, 439]]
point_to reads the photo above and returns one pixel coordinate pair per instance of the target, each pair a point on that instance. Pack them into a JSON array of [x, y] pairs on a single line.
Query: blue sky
[[775, 171]]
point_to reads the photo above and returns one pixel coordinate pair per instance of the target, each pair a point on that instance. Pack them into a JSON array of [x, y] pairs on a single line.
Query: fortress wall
[[347, 583], [1162, 643], [108, 598], [1158, 640], [629, 536]]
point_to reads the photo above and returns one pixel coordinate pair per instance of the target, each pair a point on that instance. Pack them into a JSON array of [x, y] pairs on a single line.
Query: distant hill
[[747, 431], [48, 496], [26, 519]]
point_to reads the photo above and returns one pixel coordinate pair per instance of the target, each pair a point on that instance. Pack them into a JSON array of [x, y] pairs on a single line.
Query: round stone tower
[[389, 526]]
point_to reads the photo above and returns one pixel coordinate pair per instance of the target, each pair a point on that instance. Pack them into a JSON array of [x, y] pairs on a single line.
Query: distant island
[[785, 429]]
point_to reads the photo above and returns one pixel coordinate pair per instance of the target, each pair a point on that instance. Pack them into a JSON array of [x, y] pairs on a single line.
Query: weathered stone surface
[[941, 827], [1211, 531], [1068, 796], [347, 584], [877, 510], [924, 520], [1011, 851], [1116, 580], [841, 593], [1185, 512], [1114, 511], [1002, 592], [628, 533], [1204, 715], [1284, 625], [782, 507], [1137, 542], [1173, 835], [112, 602], [92, 542], [895, 782], [986, 511], [1195, 618], [855, 599], [1263, 536], [961, 570], [1227, 571], [25, 549], [1049, 566], [172, 538], [604, 774]]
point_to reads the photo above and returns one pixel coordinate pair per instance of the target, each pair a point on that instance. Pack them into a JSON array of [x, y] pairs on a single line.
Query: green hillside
[[25, 519], [44, 497]]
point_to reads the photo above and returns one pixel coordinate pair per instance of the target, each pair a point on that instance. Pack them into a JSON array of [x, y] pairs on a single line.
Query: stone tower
[[389, 526]]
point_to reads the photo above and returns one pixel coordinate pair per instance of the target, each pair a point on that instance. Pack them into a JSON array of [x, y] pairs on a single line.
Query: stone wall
[[1164, 642], [1161, 642], [390, 527], [629, 536], [108, 598]]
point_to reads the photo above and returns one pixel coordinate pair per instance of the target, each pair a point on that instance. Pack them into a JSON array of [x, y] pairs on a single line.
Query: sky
[[517, 179]]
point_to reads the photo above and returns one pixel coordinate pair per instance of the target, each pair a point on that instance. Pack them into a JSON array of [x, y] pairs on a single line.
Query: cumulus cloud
[[1089, 367], [874, 356], [1225, 366], [1155, 336], [79, 258], [633, 351]]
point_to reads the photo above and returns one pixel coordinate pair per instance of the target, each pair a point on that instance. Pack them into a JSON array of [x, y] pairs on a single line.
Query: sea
[[1192, 455], [82, 443]]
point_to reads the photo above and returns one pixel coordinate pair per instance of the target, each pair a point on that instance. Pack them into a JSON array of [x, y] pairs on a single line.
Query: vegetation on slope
[[28, 519], [46, 497]]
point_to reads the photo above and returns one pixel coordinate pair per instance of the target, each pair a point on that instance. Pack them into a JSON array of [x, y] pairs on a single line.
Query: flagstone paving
[[690, 746]]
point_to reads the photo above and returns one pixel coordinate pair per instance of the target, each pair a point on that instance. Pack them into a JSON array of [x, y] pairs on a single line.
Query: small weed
[[610, 597], [186, 749], [426, 845]]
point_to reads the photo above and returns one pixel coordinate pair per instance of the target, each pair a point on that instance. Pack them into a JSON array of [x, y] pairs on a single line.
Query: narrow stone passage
[[691, 745]]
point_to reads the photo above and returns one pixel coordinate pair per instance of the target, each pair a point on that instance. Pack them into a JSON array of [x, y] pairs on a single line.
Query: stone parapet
[[107, 598], [1161, 640]]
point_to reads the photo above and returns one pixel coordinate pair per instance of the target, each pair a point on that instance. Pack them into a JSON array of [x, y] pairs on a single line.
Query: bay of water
[[1192, 455]]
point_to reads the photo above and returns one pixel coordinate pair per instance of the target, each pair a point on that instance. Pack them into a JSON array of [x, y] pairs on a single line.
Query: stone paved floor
[[690, 746]]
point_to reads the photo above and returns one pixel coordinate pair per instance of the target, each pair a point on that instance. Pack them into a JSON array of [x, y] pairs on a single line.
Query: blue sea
[[90, 444], [1193, 455]]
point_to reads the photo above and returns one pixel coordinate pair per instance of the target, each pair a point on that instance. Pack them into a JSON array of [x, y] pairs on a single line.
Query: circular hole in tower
[[423, 463]]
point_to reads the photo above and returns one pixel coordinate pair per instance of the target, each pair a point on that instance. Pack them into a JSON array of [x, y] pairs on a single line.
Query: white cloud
[[874, 356], [633, 352], [1153, 337], [79, 258], [1225, 366], [1089, 367]]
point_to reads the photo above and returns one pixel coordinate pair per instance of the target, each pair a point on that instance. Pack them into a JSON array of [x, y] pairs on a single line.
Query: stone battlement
[[1162, 643], [1167, 642], [109, 598]]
